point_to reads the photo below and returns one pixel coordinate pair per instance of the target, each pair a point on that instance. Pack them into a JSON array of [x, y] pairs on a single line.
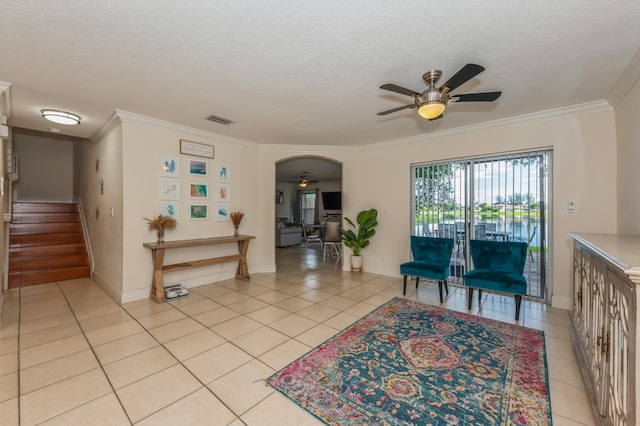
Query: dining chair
[[332, 239], [310, 237], [447, 230], [461, 233], [531, 237], [481, 232]]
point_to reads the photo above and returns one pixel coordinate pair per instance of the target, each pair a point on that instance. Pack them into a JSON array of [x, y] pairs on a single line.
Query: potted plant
[[358, 237]]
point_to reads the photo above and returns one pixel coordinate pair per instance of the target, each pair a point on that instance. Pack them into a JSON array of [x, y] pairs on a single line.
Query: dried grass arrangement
[[159, 224], [236, 218]]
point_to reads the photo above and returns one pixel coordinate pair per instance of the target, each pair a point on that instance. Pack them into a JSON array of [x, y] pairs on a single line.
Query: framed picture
[[170, 189], [198, 167], [223, 192], [222, 211], [170, 208], [196, 149], [198, 212], [224, 173], [198, 191], [169, 165]]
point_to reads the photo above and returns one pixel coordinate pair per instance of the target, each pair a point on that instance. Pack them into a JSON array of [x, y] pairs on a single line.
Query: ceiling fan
[[432, 102], [303, 182]]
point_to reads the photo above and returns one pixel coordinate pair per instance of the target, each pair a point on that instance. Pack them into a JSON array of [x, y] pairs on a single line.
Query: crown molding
[[550, 114], [629, 77], [307, 148], [112, 122], [119, 116], [130, 116]]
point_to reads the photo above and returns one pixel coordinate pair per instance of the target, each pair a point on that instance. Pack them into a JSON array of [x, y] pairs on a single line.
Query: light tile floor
[[71, 355]]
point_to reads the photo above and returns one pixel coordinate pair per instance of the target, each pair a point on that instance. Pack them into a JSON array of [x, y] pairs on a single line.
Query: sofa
[[288, 234]]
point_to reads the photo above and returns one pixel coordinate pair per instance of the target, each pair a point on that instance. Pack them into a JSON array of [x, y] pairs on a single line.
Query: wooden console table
[[158, 249]]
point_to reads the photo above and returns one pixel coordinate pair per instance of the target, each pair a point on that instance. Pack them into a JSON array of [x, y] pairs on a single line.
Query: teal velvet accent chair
[[431, 257], [498, 266]]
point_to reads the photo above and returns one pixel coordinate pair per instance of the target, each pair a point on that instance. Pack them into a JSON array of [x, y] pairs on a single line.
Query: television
[[332, 200]]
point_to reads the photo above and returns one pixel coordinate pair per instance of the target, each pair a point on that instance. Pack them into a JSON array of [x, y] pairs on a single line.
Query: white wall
[[105, 232], [46, 167], [144, 141], [628, 137]]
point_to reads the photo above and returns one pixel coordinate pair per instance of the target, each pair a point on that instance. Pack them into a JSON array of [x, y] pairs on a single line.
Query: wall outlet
[[572, 207]]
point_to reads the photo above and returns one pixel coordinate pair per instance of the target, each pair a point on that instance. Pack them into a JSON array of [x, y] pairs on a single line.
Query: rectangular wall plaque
[[195, 148]]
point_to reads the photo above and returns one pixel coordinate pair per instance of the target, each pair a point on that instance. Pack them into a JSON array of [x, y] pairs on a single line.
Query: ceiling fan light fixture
[[302, 183], [61, 117], [431, 109]]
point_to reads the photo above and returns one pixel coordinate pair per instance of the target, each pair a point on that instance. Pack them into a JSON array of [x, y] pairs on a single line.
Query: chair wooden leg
[[479, 294], [518, 301], [417, 281], [446, 287], [440, 291], [404, 286], [470, 298]]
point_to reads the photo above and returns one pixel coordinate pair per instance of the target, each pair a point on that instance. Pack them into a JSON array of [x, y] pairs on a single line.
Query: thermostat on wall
[[174, 291]]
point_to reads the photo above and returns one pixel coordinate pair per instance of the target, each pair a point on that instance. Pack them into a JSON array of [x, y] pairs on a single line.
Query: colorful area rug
[[409, 363]]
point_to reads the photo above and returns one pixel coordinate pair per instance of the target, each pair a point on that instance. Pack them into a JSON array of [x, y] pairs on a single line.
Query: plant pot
[[356, 263]]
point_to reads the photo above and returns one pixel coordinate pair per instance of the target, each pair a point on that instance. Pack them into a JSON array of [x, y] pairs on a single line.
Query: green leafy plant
[[358, 237]]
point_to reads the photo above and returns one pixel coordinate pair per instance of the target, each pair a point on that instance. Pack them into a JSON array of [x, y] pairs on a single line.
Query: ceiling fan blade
[[476, 97], [396, 109], [465, 74], [398, 89], [436, 118]]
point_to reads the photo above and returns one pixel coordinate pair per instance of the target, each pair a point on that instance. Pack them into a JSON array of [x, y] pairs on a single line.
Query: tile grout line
[[97, 359]]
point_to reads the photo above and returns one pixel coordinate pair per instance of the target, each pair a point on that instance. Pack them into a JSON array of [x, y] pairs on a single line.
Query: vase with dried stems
[[159, 224], [236, 218]]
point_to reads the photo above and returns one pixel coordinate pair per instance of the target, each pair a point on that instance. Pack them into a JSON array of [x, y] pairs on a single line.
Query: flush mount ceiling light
[[61, 117]]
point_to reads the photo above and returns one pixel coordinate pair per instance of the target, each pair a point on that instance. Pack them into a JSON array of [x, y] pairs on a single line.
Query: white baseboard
[[107, 286], [262, 269], [132, 296], [139, 294]]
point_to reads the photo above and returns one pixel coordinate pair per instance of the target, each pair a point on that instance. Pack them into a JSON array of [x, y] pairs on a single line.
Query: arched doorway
[[308, 189]]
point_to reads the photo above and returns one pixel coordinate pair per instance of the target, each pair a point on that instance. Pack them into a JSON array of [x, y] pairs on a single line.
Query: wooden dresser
[[605, 311]]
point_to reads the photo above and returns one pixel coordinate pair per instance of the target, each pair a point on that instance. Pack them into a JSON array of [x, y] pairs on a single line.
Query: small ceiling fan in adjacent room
[[432, 102], [303, 182]]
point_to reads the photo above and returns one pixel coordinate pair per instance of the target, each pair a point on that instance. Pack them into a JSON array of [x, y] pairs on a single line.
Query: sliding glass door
[[503, 197]]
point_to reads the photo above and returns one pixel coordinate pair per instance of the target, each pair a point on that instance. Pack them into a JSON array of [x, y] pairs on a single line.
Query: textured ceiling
[[306, 72]]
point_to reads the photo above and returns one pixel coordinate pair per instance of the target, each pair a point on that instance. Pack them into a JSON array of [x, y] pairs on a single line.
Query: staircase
[[46, 244]]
